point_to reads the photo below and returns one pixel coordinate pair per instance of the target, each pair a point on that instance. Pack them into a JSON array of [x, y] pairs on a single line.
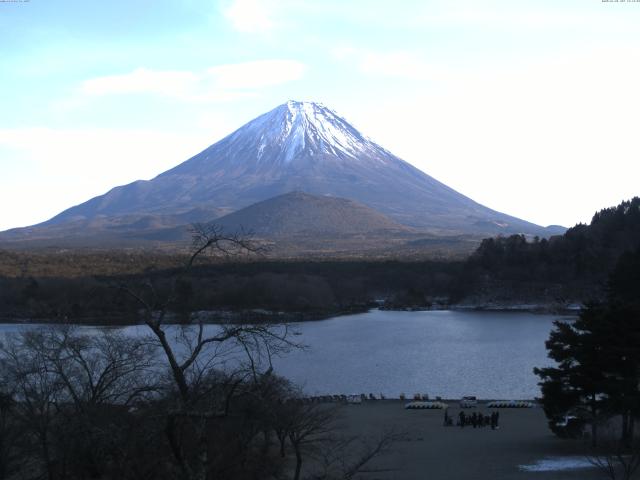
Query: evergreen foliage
[[598, 357], [572, 266]]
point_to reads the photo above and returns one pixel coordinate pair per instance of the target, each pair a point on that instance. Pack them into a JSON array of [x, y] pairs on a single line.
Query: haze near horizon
[[528, 109]]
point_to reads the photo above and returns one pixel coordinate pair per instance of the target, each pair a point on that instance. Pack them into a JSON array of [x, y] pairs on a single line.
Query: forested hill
[[571, 266], [504, 271]]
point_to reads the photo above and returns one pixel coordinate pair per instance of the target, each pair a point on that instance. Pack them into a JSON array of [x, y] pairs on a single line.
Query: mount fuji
[[296, 147]]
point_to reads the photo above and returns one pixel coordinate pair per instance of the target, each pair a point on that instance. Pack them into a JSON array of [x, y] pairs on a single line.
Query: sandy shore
[[432, 451]]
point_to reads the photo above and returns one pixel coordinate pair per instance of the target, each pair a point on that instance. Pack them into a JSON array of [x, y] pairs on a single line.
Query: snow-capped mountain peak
[[296, 132], [304, 147]]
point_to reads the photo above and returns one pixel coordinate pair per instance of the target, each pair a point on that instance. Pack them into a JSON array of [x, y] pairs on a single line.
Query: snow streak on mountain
[[298, 130], [290, 137], [298, 146]]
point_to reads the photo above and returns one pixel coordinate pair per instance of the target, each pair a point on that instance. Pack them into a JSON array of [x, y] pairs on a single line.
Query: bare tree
[[200, 348], [314, 433], [615, 457], [190, 401], [309, 426], [68, 387], [343, 458], [11, 460], [37, 391], [106, 367]]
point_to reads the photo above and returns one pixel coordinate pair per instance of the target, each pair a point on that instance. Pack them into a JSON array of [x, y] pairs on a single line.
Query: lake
[[442, 353]]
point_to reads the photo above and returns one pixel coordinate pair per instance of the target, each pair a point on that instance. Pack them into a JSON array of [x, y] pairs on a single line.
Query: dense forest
[[503, 271], [572, 267], [312, 289]]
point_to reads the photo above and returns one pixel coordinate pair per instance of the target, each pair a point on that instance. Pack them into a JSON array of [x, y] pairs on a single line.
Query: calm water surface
[[445, 353]]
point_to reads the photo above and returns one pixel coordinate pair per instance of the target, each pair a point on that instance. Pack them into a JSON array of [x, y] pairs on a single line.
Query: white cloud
[[343, 52], [397, 63], [218, 83], [250, 16], [142, 80], [254, 75]]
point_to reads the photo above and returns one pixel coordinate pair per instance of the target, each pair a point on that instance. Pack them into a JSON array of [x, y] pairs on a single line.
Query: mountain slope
[[298, 146], [299, 213]]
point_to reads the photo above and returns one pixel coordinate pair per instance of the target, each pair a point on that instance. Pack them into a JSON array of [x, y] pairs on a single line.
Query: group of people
[[475, 420]]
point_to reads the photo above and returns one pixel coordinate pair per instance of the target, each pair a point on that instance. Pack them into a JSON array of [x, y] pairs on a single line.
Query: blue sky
[[529, 107]]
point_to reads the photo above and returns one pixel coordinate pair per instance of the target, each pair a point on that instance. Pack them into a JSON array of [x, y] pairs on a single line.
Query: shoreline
[[257, 316], [451, 402]]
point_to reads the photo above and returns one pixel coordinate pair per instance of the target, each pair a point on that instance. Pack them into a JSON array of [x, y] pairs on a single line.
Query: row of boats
[[428, 405]]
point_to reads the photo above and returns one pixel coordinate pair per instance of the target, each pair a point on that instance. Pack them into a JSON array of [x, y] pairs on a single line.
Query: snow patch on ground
[[556, 464]]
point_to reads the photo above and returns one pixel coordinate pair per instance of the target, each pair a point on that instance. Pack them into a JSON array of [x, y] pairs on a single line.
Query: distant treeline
[[571, 267], [504, 270], [314, 288]]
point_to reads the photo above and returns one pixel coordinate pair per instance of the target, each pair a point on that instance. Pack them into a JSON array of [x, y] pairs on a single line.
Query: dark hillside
[[504, 271], [300, 213], [573, 266]]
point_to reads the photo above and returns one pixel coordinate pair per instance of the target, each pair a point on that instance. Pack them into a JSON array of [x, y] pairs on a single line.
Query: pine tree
[[598, 357]]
